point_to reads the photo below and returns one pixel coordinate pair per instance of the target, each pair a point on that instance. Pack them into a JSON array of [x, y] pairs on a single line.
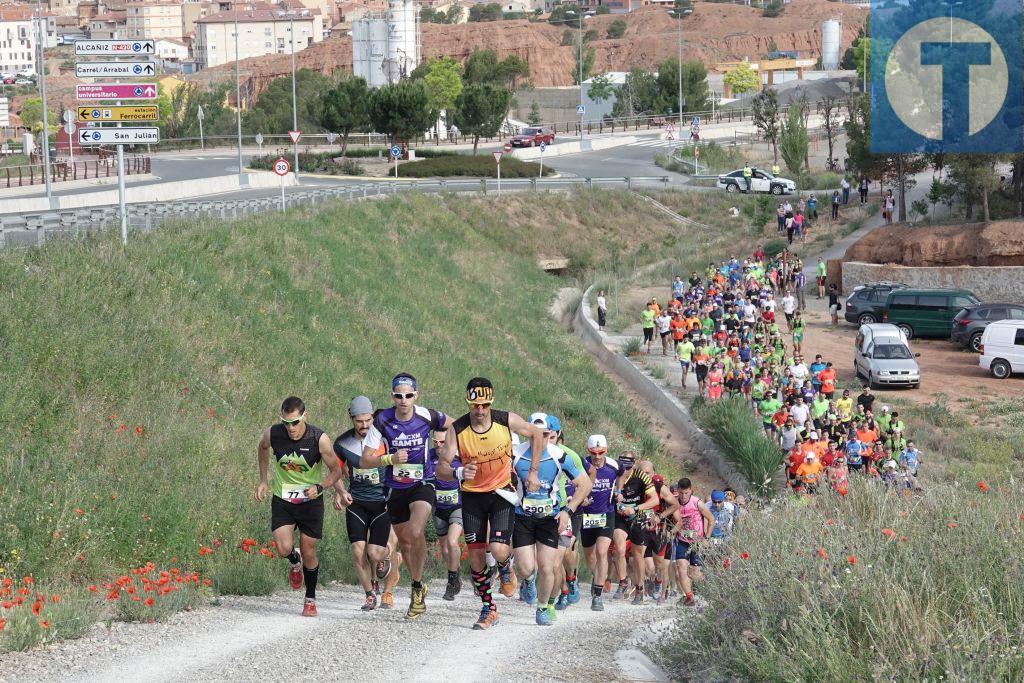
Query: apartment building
[[191, 12], [17, 39], [261, 32], [109, 26], [155, 19]]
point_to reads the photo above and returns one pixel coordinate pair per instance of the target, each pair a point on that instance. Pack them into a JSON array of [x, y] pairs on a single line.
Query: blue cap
[[553, 424], [403, 378], [717, 496]]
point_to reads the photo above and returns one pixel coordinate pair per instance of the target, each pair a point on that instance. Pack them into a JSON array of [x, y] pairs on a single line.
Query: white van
[[882, 357], [1002, 348]]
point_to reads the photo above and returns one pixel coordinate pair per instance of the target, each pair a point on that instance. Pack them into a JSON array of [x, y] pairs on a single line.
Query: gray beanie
[[360, 405]]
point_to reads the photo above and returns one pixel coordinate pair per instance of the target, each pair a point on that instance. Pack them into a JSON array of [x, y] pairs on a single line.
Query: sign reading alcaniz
[[114, 69], [118, 136], [115, 47]]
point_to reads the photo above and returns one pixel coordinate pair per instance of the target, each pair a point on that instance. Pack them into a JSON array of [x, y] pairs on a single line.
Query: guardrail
[[32, 229], [60, 170]]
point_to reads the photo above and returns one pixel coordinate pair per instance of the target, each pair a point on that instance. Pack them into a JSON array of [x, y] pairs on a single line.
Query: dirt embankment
[[999, 243]]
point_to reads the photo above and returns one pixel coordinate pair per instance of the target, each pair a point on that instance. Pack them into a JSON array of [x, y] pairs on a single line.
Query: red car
[[530, 137]]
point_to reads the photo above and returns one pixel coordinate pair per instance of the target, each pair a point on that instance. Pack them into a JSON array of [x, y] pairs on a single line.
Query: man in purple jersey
[[598, 514], [404, 430]]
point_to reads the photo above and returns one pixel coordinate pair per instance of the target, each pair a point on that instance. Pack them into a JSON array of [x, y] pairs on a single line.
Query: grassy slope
[[196, 333]]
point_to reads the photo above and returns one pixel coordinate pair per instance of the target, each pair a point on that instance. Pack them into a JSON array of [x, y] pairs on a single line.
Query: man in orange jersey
[[482, 438]]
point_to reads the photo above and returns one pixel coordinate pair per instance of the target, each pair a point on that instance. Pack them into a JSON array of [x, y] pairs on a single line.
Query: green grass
[[912, 588], [738, 432], [8, 160], [138, 380], [474, 166], [713, 159]]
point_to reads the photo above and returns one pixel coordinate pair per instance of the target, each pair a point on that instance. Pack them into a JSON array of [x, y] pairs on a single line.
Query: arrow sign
[[122, 48], [199, 113], [116, 91], [295, 135], [105, 113], [124, 69], [119, 136]]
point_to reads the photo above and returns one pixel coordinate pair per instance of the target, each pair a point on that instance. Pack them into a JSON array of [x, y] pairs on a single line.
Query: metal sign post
[[259, 142], [200, 116], [295, 135], [497, 160], [281, 168], [396, 152], [69, 128], [543, 146]]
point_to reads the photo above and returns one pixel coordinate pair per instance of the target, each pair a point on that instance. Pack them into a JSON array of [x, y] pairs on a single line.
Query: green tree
[[482, 66], [742, 79], [444, 83], [570, 15], [793, 139], [974, 176], [695, 86], [534, 117], [773, 8], [481, 109], [182, 121], [272, 113], [454, 14], [32, 115], [617, 28], [489, 12], [765, 109], [861, 57], [589, 55], [601, 88], [402, 110], [345, 109], [638, 94], [603, 9]]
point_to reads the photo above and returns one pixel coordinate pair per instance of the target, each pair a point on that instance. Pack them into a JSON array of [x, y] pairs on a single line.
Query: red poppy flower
[[79, 512], [745, 556], [138, 430], [7, 604], [114, 594], [952, 525], [217, 543], [44, 623], [120, 428], [37, 607], [726, 563], [3, 624], [6, 583], [888, 532], [207, 582], [92, 589], [27, 580], [903, 539], [983, 487], [822, 554], [149, 602], [211, 413], [55, 598], [852, 559]]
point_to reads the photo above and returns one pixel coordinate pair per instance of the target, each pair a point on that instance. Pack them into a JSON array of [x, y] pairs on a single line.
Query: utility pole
[[42, 96], [679, 31], [242, 178], [295, 111]]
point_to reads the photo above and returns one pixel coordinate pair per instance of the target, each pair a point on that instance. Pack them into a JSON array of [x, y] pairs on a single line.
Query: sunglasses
[[482, 405], [411, 394], [292, 423]]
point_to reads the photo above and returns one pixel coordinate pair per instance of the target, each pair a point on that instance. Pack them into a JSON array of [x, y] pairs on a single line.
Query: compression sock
[[596, 589], [490, 559], [482, 586], [565, 591], [507, 564], [551, 601], [310, 577], [453, 576], [293, 557], [570, 577]]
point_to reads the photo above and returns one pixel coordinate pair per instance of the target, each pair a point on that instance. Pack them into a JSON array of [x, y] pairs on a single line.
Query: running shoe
[[656, 593], [383, 568], [562, 602], [309, 608], [371, 602], [387, 600], [295, 575], [574, 591], [543, 618], [597, 604], [638, 597], [509, 581], [452, 589], [528, 591], [417, 605], [552, 613], [488, 618], [661, 598], [688, 600], [649, 586], [620, 592]]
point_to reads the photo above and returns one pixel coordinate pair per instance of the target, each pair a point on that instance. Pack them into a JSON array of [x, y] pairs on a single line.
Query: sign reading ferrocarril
[[104, 113], [946, 77]]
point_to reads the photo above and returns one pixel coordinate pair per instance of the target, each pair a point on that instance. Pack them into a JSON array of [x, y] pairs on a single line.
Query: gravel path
[[249, 638]]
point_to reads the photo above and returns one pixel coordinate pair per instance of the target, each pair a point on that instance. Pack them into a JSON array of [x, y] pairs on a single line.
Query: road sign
[[396, 151], [70, 127], [259, 139], [68, 116], [199, 113], [115, 47], [126, 69], [281, 167], [497, 157], [119, 136], [695, 121], [508, 147], [295, 135], [696, 152], [331, 137], [580, 109], [116, 91], [105, 113], [543, 146]]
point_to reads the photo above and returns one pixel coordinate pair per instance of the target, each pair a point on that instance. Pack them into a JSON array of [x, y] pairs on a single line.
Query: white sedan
[[761, 181]]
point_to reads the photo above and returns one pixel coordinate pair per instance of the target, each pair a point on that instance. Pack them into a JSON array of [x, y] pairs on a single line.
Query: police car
[[760, 181]]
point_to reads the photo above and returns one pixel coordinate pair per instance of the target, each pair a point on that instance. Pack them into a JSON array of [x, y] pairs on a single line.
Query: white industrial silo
[[831, 32], [403, 39], [369, 50]]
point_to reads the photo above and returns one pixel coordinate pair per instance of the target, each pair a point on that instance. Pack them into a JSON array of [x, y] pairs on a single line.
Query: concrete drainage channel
[[34, 228]]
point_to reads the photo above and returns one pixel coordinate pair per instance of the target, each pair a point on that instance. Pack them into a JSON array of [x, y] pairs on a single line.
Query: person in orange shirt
[[866, 435], [809, 473], [794, 459], [827, 377], [656, 307], [693, 322], [701, 365], [678, 327]]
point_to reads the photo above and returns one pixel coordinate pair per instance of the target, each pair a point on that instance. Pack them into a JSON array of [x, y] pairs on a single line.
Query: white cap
[[809, 456], [891, 464], [596, 441], [885, 409], [814, 435], [539, 418]]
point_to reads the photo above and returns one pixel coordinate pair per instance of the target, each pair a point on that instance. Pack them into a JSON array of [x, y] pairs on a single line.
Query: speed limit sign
[[281, 167]]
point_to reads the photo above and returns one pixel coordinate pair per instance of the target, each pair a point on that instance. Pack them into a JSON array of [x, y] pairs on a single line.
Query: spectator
[[844, 185], [780, 217], [835, 205], [602, 310], [864, 185], [833, 304]]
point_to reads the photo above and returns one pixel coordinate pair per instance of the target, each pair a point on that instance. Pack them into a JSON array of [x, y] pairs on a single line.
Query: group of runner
[[525, 503]]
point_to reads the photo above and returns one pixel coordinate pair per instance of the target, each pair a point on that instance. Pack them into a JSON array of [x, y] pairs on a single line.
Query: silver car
[[887, 361]]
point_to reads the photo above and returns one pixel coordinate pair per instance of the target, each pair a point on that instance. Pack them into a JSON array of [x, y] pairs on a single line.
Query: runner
[[366, 517], [301, 451], [658, 533], [448, 521], [543, 517], [483, 440], [404, 431], [598, 520], [647, 317], [566, 582], [636, 495], [684, 354], [695, 522]]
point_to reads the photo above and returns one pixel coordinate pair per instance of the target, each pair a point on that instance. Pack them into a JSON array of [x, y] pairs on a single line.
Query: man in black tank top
[[301, 453]]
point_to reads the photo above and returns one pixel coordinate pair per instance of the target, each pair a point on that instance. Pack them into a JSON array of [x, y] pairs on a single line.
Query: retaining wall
[[670, 407], [534, 153], [989, 283]]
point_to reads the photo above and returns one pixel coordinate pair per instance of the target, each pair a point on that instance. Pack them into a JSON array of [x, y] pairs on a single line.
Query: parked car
[[883, 357], [1002, 348], [24, 81], [533, 136], [970, 323], [9, 80], [925, 312], [761, 181], [865, 305]]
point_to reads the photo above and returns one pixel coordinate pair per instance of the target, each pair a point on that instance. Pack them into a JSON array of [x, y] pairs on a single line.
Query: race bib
[[448, 497], [688, 535], [538, 507], [594, 521], [369, 476], [408, 472], [294, 494]]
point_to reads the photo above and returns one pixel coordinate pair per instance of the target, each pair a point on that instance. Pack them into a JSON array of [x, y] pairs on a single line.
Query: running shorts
[[308, 517], [444, 518], [648, 334], [686, 552], [400, 500], [368, 522], [481, 511], [702, 372], [656, 544], [591, 533], [634, 530], [530, 530]]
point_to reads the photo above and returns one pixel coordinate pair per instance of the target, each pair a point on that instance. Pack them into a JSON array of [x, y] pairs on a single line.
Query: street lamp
[[42, 96], [242, 179], [573, 13], [678, 14], [295, 112]]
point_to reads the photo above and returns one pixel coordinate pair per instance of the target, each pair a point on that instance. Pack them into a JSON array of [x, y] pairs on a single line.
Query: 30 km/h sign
[[141, 113], [116, 91], [281, 167], [119, 136], [115, 47], [114, 69]]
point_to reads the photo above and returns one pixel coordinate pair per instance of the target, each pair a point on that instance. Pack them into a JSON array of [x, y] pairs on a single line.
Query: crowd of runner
[[739, 329], [526, 505]]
